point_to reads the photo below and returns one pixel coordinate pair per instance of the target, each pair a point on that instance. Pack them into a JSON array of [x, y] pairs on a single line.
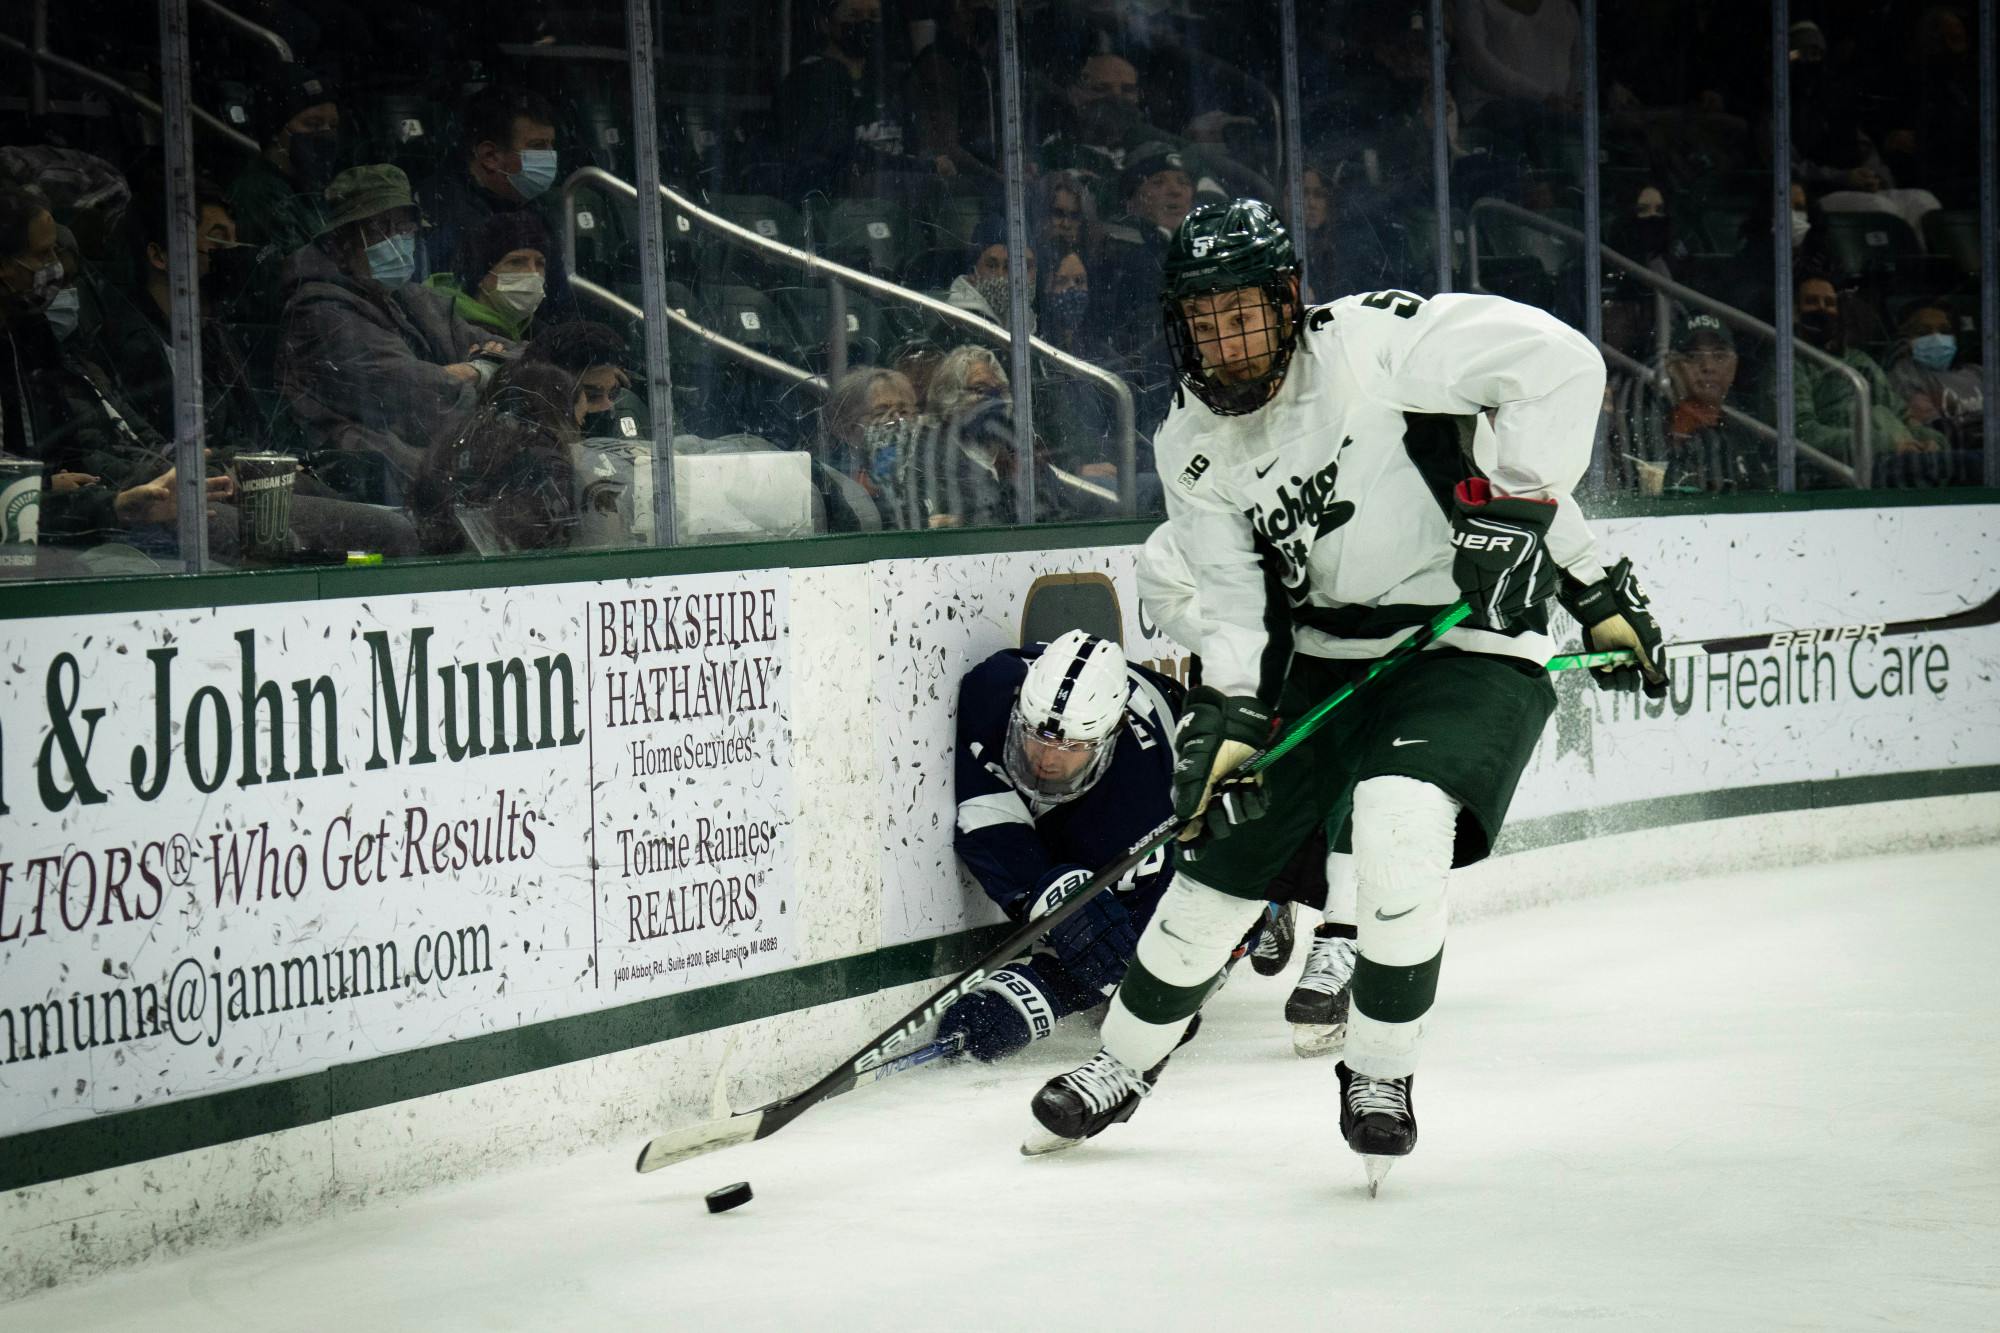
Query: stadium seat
[[406, 129], [864, 233], [1868, 244], [1954, 233]]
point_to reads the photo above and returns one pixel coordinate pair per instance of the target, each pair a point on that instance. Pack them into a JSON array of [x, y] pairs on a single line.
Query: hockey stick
[[882, 1050], [1976, 617]]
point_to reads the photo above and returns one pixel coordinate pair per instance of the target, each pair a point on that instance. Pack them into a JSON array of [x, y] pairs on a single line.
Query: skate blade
[[1377, 1167], [1312, 1040], [1041, 1143]]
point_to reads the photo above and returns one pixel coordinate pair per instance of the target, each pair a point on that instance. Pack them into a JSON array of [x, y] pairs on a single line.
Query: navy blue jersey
[[1016, 851]]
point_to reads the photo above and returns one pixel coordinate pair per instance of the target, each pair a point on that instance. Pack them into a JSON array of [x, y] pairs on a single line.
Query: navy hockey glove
[[1097, 943], [1003, 1013], [1615, 614], [1218, 732], [1502, 563], [1055, 891]]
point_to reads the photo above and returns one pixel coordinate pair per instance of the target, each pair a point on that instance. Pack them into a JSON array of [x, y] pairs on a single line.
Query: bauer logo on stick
[[1831, 634]]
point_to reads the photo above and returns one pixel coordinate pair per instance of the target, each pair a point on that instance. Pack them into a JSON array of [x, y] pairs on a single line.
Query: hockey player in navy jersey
[[1065, 759], [1336, 477]]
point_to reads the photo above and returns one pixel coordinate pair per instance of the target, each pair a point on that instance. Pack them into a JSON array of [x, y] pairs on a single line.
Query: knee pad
[[1404, 831], [1340, 889], [1193, 932]]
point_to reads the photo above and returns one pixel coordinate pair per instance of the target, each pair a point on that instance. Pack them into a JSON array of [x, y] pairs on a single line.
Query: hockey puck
[[729, 1196]]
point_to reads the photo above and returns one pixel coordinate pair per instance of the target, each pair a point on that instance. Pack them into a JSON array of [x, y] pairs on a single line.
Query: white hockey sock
[[1340, 889], [1403, 835], [1183, 949]]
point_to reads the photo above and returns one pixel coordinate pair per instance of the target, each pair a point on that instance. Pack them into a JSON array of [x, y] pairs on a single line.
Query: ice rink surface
[[1764, 1101]]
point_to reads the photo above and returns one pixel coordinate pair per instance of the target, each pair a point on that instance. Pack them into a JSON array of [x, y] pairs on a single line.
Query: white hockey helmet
[[1066, 717]]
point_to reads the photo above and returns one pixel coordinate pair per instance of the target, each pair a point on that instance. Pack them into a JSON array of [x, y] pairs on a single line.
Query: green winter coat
[[1824, 402]]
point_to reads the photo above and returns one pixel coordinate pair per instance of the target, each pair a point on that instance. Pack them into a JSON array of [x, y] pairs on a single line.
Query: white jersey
[[1320, 523]]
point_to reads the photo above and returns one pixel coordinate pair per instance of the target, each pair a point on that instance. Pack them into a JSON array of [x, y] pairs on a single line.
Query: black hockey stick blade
[[895, 1042], [1972, 617]]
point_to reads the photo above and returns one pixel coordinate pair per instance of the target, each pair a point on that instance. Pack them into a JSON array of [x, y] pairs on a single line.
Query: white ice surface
[[1764, 1101]]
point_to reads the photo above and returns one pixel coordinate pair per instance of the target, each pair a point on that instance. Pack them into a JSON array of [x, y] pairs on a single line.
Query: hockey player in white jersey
[[1315, 877], [1336, 477]]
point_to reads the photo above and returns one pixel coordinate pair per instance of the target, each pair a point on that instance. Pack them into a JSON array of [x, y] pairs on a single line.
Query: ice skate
[[1085, 1102], [1377, 1120], [1091, 1098], [1317, 1008], [1274, 941]]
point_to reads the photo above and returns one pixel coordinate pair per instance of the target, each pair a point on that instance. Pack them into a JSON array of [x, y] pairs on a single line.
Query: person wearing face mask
[[370, 362], [1075, 415], [501, 276], [1103, 121], [135, 336], [1927, 369], [982, 290], [862, 452], [1902, 444], [1645, 231], [842, 124], [507, 163], [276, 198]]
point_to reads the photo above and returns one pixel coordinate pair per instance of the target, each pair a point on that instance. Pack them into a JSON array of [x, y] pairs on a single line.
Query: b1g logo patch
[[1192, 473]]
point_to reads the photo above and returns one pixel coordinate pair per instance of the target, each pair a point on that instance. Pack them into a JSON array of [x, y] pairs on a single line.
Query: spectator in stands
[[1158, 190], [1065, 306], [606, 406], [1943, 390], [1518, 68], [105, 475], [1931, 132], [275, 199], [983, 290], [506, 162], [1075, 415], [1064, 219], [1831, 152], [372, 363], [508, 480], [841, 120], [954, 98], [500, 277], [1104, 120], [134, 338], [967, 475], [1346, 249], [109, 474], [1824, 398], [1643, 229], [1703, 449], [864, 450]]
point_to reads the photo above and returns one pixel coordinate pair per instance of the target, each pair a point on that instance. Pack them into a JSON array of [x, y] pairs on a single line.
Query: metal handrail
[[827, 270], [791, 374], [1657, 380], [756, 360], [85, 74], [1863, 464], [244, 25]]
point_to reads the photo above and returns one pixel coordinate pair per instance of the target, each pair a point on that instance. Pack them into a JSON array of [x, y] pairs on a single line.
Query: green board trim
[[142, 1135], [1825, 793], [178, 592]]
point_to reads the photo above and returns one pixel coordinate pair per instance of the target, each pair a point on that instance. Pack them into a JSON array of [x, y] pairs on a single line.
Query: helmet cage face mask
[[1043, 735], [1198, 362]]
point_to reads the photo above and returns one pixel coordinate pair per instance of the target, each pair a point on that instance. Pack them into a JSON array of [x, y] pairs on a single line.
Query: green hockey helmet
[[1231, 304]]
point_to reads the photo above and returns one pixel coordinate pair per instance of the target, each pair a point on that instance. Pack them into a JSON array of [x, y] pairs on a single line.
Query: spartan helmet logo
[[1202, 245]]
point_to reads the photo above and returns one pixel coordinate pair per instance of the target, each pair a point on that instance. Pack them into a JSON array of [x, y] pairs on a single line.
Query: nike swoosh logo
[[1399, 741], [1266, 468], [1398, 916]]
